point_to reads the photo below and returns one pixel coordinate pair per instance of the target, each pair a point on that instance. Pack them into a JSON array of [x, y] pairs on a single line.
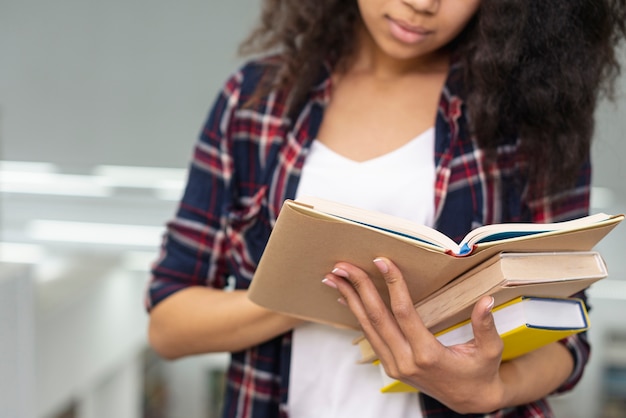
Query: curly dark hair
[[532, 68]]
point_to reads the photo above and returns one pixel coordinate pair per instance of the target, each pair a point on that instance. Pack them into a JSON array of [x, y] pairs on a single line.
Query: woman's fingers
[[401, 304], [486, 335], [355, 290], [407, 349], [397, 333], [424, 347]]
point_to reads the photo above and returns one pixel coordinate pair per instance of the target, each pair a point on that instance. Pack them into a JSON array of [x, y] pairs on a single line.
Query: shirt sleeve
[[193, 248], [565, 205]]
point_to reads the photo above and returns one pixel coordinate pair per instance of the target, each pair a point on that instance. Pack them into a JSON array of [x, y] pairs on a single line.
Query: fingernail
[[490, 306], [381, 265], [342, 301], [329, 283], [340, 272]]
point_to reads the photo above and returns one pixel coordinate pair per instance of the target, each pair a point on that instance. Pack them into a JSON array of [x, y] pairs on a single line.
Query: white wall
[[17, 341], [120, 82]]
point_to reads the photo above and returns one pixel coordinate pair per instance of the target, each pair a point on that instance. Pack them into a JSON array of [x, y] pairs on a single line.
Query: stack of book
[[526, 267], [524, 324]]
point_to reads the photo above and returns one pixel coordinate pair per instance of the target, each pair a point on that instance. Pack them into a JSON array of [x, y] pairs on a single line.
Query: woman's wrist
[[534, 375]]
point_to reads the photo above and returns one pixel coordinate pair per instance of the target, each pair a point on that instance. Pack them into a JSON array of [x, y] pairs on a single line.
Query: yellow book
[[524, 324]]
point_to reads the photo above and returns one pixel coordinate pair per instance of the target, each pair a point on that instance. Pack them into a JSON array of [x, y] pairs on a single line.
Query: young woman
[[454, 113]]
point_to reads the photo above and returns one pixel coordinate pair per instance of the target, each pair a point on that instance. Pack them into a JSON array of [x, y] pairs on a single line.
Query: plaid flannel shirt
[[247, 161]]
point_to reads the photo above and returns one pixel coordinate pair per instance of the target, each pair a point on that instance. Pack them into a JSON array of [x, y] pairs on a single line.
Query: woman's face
[[409, 29]]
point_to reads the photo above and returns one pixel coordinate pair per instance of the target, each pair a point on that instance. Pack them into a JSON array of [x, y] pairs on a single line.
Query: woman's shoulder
[[252, 72], [251, 85], [262, 63]]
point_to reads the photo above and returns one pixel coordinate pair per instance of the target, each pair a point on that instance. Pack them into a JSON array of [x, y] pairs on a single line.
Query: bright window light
[[45, 178], [28, 166], [141, 177], [13, 252], [95, 233], [52, 184]]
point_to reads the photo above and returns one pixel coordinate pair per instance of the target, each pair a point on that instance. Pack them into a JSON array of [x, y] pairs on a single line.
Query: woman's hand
[[465, 377]]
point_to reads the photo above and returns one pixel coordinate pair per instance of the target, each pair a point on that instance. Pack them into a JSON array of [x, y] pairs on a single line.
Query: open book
[[309, 237], [475, 240], [524, 324]]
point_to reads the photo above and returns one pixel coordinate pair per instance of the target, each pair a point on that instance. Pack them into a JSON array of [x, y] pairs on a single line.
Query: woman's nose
[[423, 6]]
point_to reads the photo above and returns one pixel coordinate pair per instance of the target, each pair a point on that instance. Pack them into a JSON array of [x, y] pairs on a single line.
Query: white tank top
[[325, 378]]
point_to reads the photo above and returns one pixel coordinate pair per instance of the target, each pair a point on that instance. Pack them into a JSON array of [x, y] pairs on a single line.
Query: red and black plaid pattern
[[247, 161]]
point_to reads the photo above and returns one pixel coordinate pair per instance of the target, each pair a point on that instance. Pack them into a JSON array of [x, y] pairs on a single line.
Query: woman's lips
[[405, 32]]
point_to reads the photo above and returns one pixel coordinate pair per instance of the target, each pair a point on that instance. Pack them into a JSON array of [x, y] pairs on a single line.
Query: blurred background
[[100, 105]]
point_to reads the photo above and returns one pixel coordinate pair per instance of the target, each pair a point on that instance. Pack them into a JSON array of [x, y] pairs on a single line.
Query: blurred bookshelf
[[614, 376], [70, 411], [216, 379], [154, 385]]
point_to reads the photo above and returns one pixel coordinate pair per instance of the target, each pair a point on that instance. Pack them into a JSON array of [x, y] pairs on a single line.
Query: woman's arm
[[189, 311], [536, 374], [468, 378], [201, 319]]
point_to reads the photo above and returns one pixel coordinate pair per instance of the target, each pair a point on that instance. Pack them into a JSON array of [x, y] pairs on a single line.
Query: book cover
[[505, 276], [524, 324], [306, 243]]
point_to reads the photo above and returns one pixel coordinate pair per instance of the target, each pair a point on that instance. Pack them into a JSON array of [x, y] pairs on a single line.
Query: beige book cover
[[306, 243]]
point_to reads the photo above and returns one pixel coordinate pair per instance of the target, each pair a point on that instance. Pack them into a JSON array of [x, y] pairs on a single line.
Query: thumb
[[486, 335]]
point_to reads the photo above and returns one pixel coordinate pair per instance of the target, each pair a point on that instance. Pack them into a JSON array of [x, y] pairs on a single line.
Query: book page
[[381, 221], [501, 232], [482, 236]]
